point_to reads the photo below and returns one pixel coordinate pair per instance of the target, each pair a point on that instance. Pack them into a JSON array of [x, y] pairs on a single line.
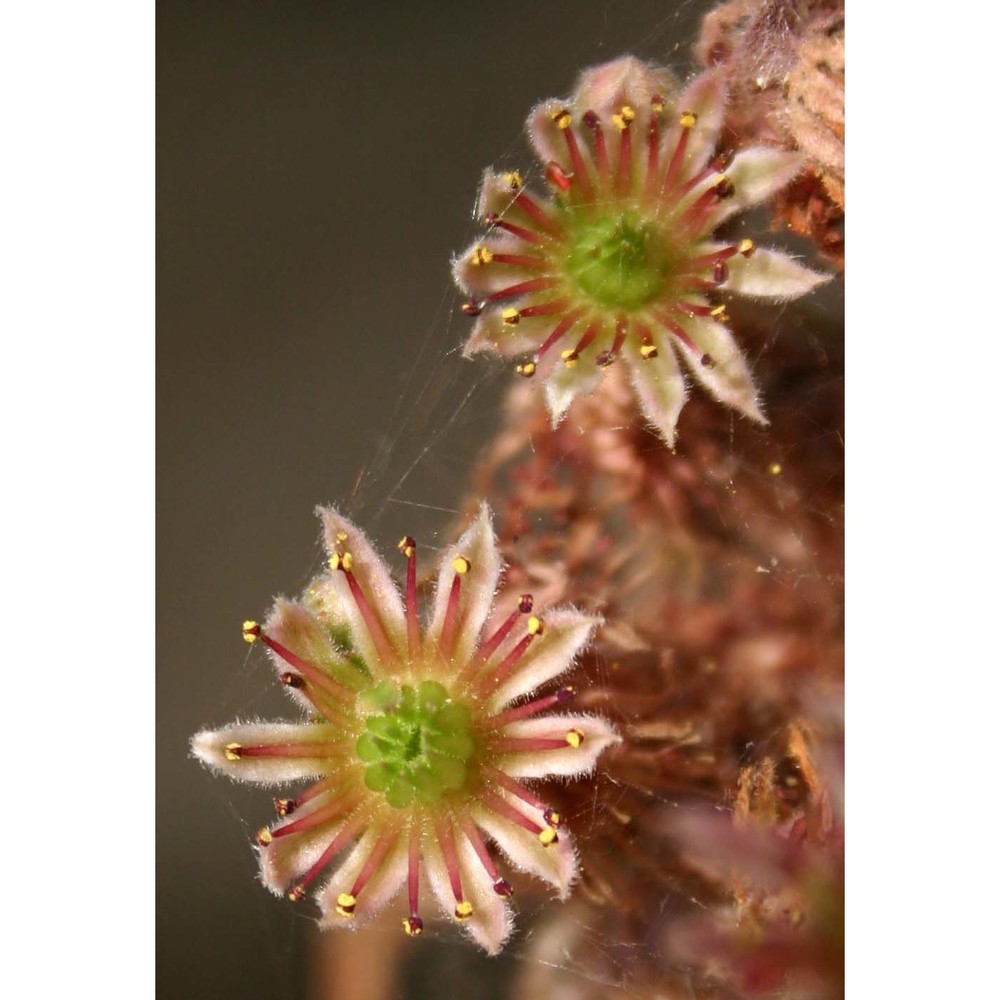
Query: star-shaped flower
[[423, 741], [621, 262]]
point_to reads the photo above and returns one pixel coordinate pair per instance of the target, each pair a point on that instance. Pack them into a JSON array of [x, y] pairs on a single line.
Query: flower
[[621, 262], [423, 740]]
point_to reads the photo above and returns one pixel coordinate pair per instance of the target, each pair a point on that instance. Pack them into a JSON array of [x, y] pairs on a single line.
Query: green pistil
[[618, 261], [418, 742]]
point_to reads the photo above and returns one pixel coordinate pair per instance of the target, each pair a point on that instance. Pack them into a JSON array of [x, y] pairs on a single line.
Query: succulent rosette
[[423, 741], [620, 263]]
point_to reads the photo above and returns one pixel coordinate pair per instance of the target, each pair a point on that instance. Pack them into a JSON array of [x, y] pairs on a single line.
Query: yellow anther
[[688, 119], [535, 626], [345, 904], [461, 565], [648, 351], [480, 256], [296, 893], [747, 247], [284, 806], [624, 118], [407, 546], [264, 836], [719, 313], [569, 357], [553, 818], [463, 910], [526, 368], [335, 562], [251, 630], [233, 751], [513, 180], [342, 536], [511, 316], [345, 561], [548, 836], [656, 104], [413, 926], [562, 118], [724, 188], [574, 738], [774, 468]]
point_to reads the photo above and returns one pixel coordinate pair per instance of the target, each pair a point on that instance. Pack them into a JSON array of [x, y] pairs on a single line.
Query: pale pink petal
[[491, 334], [565, 633], [727, 376], [627, 80], [771, 274], [569, 381], [660, 387], [596, 735], [477, 587], [705, 95], [757, 174], [380, 888], [547, 137], [299, 631], [555, 864], [210, 747], [479, 276], [377, 585], [490, 923], [286, 859], [496, 194]]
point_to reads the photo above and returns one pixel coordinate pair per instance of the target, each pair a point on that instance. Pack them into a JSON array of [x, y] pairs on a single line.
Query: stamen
[[316, 818], [409, 549], [446, 840], [472, 307], [536, 213], [285, 807], [528, 235], [546, 308], [315, 789], [571, 357], [313, 674], [606, 358], [653, 146], [294, 751], [332, 850], [489, 647], [681, 334], [526, 368], [527, 261], [560, 697], [500, 886], [413, 925], [522, 288], [535, 627], [546, 834], [379, 851], [251, 631], [531, 744], [480, 256], [564, 121], [386, 653], [623, 122], [461, 566], [524, 794], [513, 180], [593, 122], [510, 316], [648, 350], [561, 327], [687, 122]]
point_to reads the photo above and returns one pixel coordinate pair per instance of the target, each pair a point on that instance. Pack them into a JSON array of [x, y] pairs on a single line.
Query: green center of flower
[[417, 742], [619, 261]]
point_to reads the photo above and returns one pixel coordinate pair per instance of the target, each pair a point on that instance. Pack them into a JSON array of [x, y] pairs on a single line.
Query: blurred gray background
[[317, 166]]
